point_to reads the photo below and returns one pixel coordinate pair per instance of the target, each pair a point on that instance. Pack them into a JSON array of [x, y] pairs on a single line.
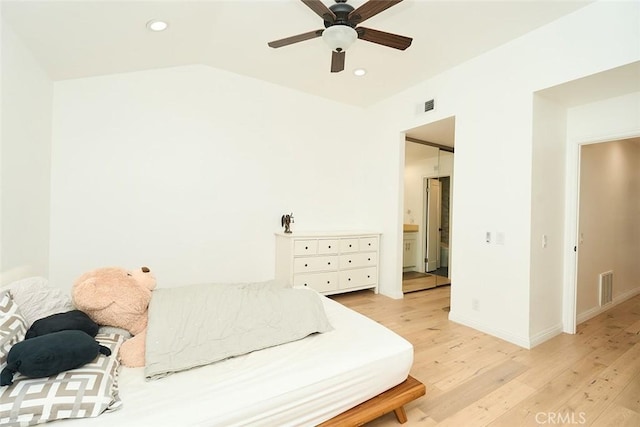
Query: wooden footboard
[[390, 400]]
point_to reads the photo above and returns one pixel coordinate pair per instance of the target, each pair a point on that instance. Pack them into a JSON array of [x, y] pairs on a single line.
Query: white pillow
[[12, 325], [37, 299]]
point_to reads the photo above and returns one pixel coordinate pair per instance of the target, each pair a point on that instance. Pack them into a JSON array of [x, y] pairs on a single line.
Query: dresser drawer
[[317, 263], [368, 243], [327, 247], [349, 245], [305, 247], [358, 277], [360, 259], [321, 282]]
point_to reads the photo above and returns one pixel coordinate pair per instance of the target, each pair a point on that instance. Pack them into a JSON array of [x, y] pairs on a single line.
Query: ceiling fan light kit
[[339, 37], [341, 22]]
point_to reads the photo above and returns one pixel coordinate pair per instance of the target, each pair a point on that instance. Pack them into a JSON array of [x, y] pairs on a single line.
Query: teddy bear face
[[115, 296]]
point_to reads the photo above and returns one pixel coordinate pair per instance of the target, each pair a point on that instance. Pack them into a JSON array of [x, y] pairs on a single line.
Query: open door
[[432, 209]]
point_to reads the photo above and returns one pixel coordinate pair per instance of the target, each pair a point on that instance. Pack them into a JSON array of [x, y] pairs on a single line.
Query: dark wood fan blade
[[386, 39], [295, 39], [369, 9], [321, 10], [337, 61]]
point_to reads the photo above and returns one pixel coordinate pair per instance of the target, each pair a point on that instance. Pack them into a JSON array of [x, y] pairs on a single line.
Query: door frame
[[572, 221]]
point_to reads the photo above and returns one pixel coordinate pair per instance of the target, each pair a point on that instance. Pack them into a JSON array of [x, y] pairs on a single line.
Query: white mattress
[[297, 384]]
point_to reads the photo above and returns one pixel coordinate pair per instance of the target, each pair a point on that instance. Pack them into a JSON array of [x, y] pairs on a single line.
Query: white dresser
[[328, 262]]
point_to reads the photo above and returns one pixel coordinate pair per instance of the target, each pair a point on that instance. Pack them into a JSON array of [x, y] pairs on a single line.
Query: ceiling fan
[[341, 22]]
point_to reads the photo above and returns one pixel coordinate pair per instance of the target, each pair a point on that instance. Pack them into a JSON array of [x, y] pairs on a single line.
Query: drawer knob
[[329, 263], [349, 261], [306, 265], [306, 247], [368, 259], [368, 276], [349, 245], [329, 246], [328, 282], [349, 278], [305, 284]]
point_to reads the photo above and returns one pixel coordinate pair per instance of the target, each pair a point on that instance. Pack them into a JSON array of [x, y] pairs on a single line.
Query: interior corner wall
[[547, 219], [189, 169], [491, 97], [25, 160]]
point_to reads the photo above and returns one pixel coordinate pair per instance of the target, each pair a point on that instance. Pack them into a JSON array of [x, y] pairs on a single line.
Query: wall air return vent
[[606, 288], [429, 105]]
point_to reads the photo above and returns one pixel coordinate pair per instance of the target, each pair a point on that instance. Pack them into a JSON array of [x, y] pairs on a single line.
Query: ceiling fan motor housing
[[341, 10]]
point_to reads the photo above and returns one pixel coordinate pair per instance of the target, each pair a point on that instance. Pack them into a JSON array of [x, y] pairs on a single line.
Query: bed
[[344, 372]]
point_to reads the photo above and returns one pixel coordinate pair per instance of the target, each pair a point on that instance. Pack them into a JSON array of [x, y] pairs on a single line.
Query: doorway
[[608, 233], [427, 207]]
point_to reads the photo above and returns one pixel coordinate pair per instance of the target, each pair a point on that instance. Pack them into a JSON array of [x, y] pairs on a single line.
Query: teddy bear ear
[[145, 277]]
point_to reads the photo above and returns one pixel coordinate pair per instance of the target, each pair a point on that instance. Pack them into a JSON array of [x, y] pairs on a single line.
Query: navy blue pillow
[[51, 354], [70, 320]]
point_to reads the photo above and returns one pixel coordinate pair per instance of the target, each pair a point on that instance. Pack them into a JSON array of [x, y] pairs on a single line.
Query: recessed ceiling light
[[359, 72], [156, 25]]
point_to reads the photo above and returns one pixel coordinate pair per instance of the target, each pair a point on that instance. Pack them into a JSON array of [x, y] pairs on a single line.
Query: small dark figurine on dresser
[[286, 221]]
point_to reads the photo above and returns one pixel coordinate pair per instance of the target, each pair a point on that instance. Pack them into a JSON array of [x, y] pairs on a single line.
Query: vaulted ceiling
[[73, 39]]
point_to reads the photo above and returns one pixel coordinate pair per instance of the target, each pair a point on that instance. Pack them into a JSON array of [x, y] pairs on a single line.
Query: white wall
[[188, 170], [547, 219], [25, 160], [492, 100]]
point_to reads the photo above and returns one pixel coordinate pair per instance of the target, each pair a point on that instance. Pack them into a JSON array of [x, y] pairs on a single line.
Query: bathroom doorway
[[427, 207]]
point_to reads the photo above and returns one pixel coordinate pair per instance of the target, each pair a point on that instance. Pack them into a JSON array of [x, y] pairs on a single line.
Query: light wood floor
[[473, 379]]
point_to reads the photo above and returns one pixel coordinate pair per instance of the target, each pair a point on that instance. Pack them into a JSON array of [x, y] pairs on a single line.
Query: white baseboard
[[545, 335], [593, 312], [504, 335]]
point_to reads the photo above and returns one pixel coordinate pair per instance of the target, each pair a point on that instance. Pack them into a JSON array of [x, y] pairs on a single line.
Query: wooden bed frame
[[390, 400]]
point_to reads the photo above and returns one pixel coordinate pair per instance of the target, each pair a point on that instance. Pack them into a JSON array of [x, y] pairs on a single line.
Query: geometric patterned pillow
[[12, 326], [87, 391]]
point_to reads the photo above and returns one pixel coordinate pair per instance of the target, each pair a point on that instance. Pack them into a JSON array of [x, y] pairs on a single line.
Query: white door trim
[[570, 289]]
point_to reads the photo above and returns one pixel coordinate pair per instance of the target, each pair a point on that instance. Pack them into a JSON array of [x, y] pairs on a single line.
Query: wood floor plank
[[472, 390], [488, 408], [591, 400], [551, 397], [625, 367], [473, 379], [630, 396], [617, 416]]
